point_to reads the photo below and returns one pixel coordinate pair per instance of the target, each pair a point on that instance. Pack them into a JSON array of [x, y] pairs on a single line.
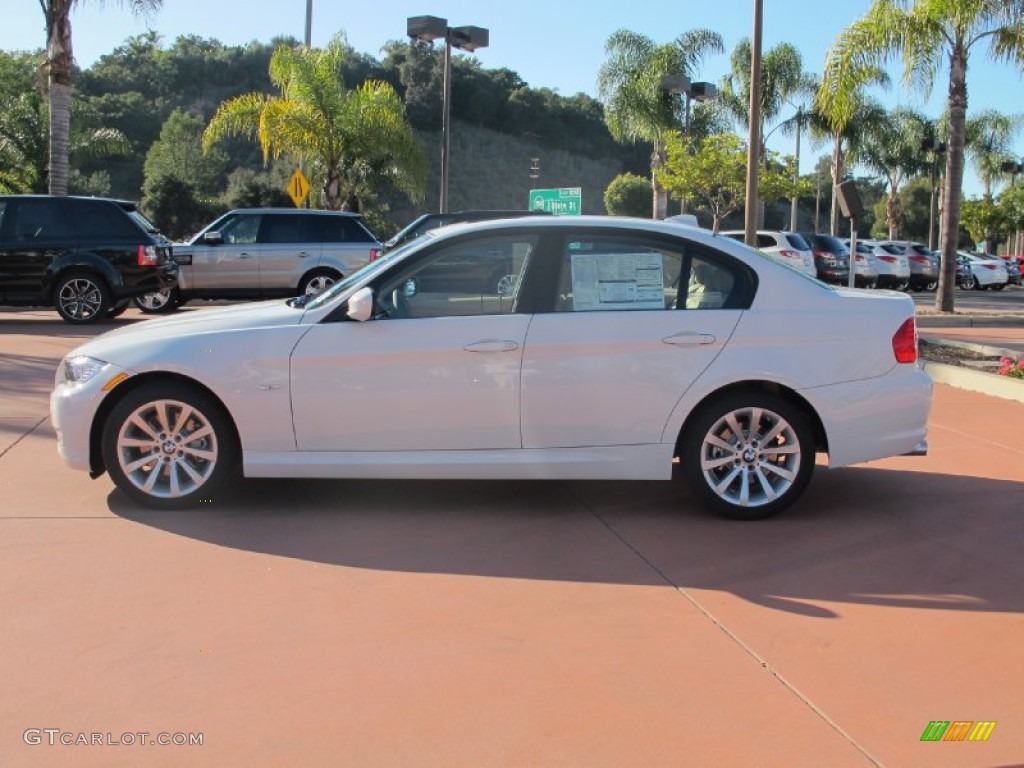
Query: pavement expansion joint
[[736, 639]]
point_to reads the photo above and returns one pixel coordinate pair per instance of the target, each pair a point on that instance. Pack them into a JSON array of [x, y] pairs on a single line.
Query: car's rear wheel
[[81, 298], [748, 455], [169, 446], [932, 286], [118, 309], [317, 281], [159, 302], [969, 283], [998, 286]]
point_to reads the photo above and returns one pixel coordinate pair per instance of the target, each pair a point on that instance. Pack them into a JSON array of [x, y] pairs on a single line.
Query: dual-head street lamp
[[696, 91], [430, 28]]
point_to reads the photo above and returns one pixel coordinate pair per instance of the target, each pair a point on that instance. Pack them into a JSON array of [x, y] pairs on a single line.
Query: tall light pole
[[754, 130], [935, 148], [309, 23], [428, 29]]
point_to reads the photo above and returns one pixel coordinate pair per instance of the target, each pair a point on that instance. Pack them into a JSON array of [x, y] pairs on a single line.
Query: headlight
[[79, 369]]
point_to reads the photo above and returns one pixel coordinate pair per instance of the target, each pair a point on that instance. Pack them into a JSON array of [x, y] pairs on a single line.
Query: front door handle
[[243, 255], [689, 339], [492, 345], [303, 254]]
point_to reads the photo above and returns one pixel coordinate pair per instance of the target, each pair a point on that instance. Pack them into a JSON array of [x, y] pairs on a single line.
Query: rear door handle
[[243, 255], [492, 345], [689, 339], [303, 254]]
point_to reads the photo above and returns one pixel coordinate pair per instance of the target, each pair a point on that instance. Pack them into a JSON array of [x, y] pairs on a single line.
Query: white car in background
[[788, 247], [622, 349], [891, 263], [989, 271], [865, 265]]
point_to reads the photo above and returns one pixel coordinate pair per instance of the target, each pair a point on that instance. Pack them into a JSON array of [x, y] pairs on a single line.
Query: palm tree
[[637, 106], [351, 140], [59, 63], [929, 35], [892, 148], [988, 142]]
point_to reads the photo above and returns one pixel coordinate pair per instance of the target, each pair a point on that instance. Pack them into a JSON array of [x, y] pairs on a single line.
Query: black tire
[[969, 283], [81, 298], [318, 280], [118, 309], [773, 478], [192, 468], [998, 286], [159, 302]]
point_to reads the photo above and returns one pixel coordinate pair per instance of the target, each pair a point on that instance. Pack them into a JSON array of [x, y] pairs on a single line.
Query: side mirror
[[360, 305], [410, 288], [213, 238]]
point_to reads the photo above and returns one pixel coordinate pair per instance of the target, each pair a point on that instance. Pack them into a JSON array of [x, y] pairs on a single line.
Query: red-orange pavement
[[518, 624]]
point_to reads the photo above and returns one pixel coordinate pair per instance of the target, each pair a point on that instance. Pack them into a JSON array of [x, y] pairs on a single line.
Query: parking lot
[[386, 623]]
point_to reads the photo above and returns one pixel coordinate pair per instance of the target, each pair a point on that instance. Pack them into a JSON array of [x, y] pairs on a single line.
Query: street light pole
[[935, 148], [681, 84], [309, 23], [753, 132], [428, 29]]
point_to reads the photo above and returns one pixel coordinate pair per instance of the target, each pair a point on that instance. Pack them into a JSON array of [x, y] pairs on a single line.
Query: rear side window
[[797, 241], [282, 228], [100, 220], [340, 229], [765, 241], [621, 273], [37, 220]]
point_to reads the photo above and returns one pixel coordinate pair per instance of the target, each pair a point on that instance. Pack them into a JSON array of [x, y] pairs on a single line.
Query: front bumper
[[72, 411]]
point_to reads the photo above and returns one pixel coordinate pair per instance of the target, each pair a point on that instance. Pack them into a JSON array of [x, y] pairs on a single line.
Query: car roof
[[296, 211]]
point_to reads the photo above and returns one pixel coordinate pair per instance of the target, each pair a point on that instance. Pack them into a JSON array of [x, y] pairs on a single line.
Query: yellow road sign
[[298, 187]]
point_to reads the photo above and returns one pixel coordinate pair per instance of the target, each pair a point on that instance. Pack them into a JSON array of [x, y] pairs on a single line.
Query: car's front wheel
[[159, 302], [748, 455], [81, 298], [169, 446]]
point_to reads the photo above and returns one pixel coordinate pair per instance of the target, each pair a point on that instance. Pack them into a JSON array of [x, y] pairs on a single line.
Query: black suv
[[86, 256], [831, 258], [429, 221]]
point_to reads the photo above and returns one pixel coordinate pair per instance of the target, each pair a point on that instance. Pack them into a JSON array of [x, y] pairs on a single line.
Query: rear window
[[341, 229], [893, 249], [99, 220], [828, 243], [795, 240]]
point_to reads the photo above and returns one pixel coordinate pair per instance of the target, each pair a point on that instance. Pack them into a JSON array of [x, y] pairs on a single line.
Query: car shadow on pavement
[[860, 535]]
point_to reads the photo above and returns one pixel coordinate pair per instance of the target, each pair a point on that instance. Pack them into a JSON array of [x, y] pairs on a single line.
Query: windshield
[[360, 275]]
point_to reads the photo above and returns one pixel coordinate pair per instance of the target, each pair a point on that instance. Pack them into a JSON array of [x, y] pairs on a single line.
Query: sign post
[[559, 202]]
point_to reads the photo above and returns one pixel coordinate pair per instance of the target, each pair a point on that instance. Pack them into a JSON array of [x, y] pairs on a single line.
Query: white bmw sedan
[[566, 347]]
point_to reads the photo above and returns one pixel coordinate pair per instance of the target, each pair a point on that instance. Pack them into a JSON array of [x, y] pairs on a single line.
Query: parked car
[[924, 266], [260, 253], [989, 271], [1013, 268], [788, 247], [865, 265], [625, 346], [429, 221], [831, 258], [85, 256], [892, 264]]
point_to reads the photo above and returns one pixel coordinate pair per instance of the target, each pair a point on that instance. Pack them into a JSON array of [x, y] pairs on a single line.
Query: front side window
[[470, 277], [240, 230]]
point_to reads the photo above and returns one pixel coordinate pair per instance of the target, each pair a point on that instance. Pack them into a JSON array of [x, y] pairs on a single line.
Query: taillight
[[904, 342], [374, 254], [989, 266], [920, 259], [889, 259], [147, 256]]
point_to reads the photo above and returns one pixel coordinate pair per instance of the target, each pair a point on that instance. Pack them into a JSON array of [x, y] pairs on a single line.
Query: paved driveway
[[373, 623]]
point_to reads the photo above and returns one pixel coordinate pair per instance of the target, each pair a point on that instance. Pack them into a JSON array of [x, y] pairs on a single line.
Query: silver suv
[[261, 253], [924, 264]]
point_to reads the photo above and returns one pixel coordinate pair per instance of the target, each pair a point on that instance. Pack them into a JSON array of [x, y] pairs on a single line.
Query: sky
[[557, 45]]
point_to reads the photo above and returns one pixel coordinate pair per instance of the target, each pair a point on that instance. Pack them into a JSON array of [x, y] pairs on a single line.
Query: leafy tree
[[929, 35], [915, 200], [251, 189], [628, 195], [178, 154], [352, 140], [988, 141], [176, 209], [713, 172], [59, 63], [986, 221], [637, 108]]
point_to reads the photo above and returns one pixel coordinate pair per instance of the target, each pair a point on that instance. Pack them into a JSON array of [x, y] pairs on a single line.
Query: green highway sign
[[560, 202]]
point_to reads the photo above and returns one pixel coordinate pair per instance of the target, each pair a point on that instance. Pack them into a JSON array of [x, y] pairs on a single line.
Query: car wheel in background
[[968, 283], [318, 280], [748, 454], [998, 286], [169, 445], [159, 302], [81, 298], [932, 286]]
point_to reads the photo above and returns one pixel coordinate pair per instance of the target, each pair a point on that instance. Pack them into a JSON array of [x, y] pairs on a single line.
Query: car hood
[[263, 314]]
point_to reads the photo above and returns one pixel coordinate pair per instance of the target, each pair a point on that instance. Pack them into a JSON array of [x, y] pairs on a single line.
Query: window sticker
[[617, 281]]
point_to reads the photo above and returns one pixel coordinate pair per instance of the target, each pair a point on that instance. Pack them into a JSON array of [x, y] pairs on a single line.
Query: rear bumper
[[148, 281]]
